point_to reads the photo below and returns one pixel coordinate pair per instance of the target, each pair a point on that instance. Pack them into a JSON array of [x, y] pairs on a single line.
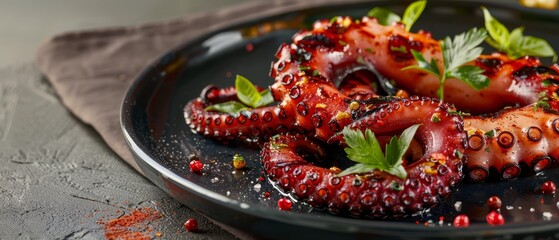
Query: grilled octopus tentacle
[[517, 83], [511, 139], [375, 194], [345, 45], [252, 125], [329, 78]]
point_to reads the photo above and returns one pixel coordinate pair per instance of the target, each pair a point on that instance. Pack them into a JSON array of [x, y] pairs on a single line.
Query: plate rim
[[145, 159]]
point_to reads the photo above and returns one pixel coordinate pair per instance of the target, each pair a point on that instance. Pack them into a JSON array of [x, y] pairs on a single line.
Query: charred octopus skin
[[375, 194], [322, 83], [332, 49]]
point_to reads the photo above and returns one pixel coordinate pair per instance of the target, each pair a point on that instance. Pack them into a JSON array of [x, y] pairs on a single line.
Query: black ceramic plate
[[153, 124]]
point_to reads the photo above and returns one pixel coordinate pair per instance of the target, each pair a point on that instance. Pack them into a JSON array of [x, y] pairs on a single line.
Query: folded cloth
[[91, 69]]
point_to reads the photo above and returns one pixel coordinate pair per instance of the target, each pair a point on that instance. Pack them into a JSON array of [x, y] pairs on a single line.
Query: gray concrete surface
[[58, 179], [25, 23]]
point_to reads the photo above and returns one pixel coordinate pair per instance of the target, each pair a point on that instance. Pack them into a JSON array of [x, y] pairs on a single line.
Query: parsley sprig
[[366, 150], [458, 51], [248, 96], [387, 17], [514, 43]]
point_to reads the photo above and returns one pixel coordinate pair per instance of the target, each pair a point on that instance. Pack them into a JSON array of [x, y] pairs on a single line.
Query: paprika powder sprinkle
[[134, 225]]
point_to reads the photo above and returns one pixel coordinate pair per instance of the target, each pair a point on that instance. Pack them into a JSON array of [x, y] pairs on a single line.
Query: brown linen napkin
[[91, 70]]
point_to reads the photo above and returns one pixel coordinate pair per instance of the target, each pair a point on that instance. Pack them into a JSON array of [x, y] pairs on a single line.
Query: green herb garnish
[[401, 49], [227, 107], [248, 96], [412, 13], [491, 133], [543, 102], [384, 16], [387, 17], [514, 43], [462, 49], [366, 150], [304, 68]]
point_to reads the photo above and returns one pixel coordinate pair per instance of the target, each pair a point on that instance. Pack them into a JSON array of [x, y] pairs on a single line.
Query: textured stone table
[[58, 179]]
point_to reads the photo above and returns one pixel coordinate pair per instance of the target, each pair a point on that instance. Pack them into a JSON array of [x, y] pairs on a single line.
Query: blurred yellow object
[[545, 4]]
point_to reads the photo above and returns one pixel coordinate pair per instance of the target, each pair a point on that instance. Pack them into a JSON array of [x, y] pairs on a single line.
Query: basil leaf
[[384, 16], [497, 31], [412, 13], [492, 43], [266, 98], [515, 44], [516, 37], [247, 92], [471, 75], [227, 107], [534, 46]]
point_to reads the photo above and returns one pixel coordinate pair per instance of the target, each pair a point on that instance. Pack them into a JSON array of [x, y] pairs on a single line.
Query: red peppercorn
[[494, 218], [196, 166], [461, 220], [266, 194], [284, 204], [191, 225], [494, 203], [249, 47], [548, 187]]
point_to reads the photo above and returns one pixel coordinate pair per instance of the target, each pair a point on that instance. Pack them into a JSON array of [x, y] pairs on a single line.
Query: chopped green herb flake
[[458, 154], [334, 19], [490, 134], [342, 43], [304, 68], [436, 117], [369, 50], [276, 146], [401, 49], [543, 103], [315, 73], [361, 60]]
